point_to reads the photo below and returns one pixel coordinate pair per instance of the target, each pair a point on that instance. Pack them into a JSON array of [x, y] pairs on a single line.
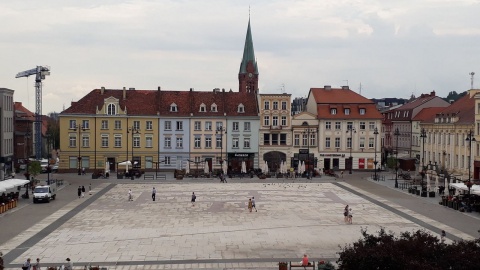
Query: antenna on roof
[[360, 88], [471, 79], [282, 88], [346, 81]]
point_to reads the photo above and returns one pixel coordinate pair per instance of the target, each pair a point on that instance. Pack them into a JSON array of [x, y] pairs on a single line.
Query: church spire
[[248, 74]]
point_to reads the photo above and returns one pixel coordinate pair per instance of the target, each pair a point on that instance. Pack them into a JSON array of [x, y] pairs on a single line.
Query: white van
[[45, 193]]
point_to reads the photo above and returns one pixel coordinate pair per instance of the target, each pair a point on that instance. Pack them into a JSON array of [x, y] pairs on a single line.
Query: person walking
[[193, 199], [83, 191], [79, 192], [442, 236], [154, 191], [350, 215], [90, 189], [130, 195], [69, 265], [250, 205], [26, 265], [345, 214], [253, 204], [36, 265], [1, 261]]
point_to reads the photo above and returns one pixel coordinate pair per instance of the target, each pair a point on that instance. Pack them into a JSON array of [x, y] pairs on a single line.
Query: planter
[[119, 176], [283, 266], [431, 194], [417, 192], [424, 194], [179, 177]]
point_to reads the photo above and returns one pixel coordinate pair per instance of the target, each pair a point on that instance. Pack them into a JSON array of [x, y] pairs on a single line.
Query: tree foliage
[[34, 168], [410, 250], [453, 95]]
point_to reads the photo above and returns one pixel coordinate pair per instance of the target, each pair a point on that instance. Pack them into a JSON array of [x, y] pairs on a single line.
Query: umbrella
[[284, 167], [206, 169], [187, 168], [6, 185], [107, 167], [266, 167], [428, 182], [244, 167], [17, 182], [224, 167], [126, 163]]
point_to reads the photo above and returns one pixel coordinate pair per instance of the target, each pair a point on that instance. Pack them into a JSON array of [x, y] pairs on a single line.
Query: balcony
[[275, 127]]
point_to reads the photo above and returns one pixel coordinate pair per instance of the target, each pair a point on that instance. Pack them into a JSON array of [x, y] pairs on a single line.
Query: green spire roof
[[248, 53]]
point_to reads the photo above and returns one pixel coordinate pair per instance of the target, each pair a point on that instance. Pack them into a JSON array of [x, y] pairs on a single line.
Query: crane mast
[[40, 72]]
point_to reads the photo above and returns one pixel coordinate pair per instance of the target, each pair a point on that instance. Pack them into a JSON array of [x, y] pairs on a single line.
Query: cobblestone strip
[[408, 214]]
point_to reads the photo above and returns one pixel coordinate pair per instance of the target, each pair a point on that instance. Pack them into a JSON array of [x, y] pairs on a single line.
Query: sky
[[378, 48]]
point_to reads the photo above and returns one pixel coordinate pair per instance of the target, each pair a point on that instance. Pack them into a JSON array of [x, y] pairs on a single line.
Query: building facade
[[7, 135]]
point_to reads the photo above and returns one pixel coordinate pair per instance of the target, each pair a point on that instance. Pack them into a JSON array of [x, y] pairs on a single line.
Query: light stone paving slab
[[292, 219]]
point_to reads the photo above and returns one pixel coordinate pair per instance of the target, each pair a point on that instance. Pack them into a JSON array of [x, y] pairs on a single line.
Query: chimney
[[191, 89], [159, 88], [432, 94], [327, 87], [102, 90], [345, 87], [124, 93], [131, 88]]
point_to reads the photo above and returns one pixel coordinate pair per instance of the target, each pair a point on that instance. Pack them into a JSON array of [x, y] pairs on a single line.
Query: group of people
[[251, 204], [81, 191], [348, 214], [28, 265]]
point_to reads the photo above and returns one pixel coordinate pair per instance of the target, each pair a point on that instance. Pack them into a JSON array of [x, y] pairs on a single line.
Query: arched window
[[173, 107], [111, 109], [241, 108]]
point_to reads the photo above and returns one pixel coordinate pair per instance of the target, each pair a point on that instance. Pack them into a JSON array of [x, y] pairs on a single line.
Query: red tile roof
[[427, 114], [151, 102], [463, 109]]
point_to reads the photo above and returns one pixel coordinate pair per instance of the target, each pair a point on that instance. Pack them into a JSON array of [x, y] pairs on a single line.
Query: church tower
[[248, 74]]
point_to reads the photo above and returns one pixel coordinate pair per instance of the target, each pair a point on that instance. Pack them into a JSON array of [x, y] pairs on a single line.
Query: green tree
[[34, 168], [416, 250]]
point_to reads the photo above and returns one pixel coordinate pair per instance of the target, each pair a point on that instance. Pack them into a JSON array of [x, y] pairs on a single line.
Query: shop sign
[[332, 155], [303, 151]]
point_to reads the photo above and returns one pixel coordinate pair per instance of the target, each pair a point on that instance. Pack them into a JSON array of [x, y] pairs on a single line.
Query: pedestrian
[[26, 265], [345, 214], [341, 174], [253, 204], [83, 191], [350, 215], [36, 265], [1, 261], [250, 205], [154, 191], [90, 189], [69, 265], [83, 171], [193, 199], [79, 192], [130, 195], [442, 236]]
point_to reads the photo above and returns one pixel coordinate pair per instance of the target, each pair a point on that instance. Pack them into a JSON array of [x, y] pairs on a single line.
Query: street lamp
[[351, 130], [133, 130], [396, 134], [423, 135], [79, 128], [307, 132], [470, 138], [221, 130], [375, 132]]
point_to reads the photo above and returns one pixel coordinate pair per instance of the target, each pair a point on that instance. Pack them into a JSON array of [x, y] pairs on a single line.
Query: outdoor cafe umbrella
[[126, 163], [244, 167], [284, 167], [206, 169], [266, 167], [224, 166], [187, 168], [107, 167]]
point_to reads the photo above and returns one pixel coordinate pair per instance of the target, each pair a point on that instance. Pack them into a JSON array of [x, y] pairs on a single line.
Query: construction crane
[[40, 73]]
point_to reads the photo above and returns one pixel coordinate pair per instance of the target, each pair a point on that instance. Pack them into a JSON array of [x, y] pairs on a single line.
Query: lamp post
[[470, 138], [396, 134], [27, 153], [351, 130], [133, 130], [79, 128], [423, 135], [221, 130], [375, 132], [307, 132]]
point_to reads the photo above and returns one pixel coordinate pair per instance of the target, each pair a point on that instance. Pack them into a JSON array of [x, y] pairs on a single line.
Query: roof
[[157, 102], [248, 52], [463, 109], [427, 113]]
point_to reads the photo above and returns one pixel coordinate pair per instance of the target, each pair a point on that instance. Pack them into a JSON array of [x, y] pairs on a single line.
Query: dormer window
[[213, 108], [362, 111], [333, 111], [347, 111], [241, 108], [203, 108], [111, 109], [173, 107]]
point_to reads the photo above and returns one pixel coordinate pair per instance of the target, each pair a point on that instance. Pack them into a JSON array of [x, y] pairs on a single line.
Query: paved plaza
[[218, 232]]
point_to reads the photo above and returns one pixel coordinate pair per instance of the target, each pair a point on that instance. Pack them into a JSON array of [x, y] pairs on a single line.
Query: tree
[[34, 168], [417, 250]]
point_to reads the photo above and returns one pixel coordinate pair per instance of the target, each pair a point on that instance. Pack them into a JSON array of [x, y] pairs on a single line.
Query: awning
[[11, 183]]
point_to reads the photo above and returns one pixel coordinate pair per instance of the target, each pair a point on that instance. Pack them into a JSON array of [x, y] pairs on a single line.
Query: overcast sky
[[392, 48]]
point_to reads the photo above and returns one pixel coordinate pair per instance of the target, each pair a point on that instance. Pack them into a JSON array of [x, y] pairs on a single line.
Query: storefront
[[305, 156], [332, 161], [235, 161]]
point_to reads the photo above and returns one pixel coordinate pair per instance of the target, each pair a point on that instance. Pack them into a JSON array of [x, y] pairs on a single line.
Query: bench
[[161, 176], [149, 176], [311, 265]]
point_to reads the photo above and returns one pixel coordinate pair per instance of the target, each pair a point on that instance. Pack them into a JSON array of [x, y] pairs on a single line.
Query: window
[[208, 142], [197, 143], [333, 111], [338, 126], [362, 142], [349, 125], [168, 125], [362, 111], [167, 160], [148, 162], [337, 142], [235, 126], [208, 125], [266, 105], [347, 111], [167, 142], [284, 105], [73, 124], [85, 141], [349, 142], [203, 108], [104, 140], [218, 125], [218, 141], [266, 120], [371, 125], [198, 125], [327, 142], [118, 124], [73, 141], [283, 139], [328, 125], [118, 140], [275, 105], [104, 124], [197, 159], [235, 143], [136, 142], [275, 139], [313, 139], [362, 125], [111, 109], [275, 121], [241, 108], [266, 139], [284, 120], [86, 124], [149, 141], [297, 140], [149, 125], [179, 125], [371, 143], [246, 143], [179, 142], [304, 139], [246, 126], [213, 108], [136, 125], [173, 107]]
